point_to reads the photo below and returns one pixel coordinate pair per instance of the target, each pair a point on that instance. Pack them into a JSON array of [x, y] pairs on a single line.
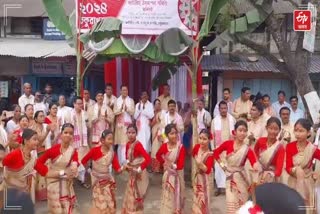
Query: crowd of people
[[45, 146]]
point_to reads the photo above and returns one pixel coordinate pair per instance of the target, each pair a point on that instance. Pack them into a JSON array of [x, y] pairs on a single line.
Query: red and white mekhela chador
[[271, 159], [202, 188], [103, 183], [304, 159], [138, 182], [61, 195], [237, 183], [19, 173], [173, 186]]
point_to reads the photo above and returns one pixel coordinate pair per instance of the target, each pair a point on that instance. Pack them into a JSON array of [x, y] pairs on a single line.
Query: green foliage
[[213, 9], [57, 15], [163, 75]]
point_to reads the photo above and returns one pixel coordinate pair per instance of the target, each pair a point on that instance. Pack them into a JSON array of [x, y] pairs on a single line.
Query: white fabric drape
[[178, 85]]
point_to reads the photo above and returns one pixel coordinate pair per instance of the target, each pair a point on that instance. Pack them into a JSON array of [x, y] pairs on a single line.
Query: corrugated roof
[[35, 48], [29, 8], [222, 63]]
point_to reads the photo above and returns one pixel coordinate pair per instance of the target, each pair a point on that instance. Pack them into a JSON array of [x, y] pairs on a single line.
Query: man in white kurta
[[221, 128], [101, 117], [287, 128], [108, 98], [280, 103], [143, 114], [242, 105], [171, 116], [39, 105], [27, 97], [63, 110], [227, 99], [257, 124], [79, 119], [123, 111], [165, 97], [203, 116], [87, 101]]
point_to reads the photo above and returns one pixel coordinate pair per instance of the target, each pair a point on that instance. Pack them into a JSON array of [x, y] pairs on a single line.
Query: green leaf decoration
[[85, 37], [220, 41], [153, 54], [241, 24], [163, 75], [253, 16], [214, 6], [232, 26], [116, 49], [259, 2], [106, 28], [57, 15], [101, 59], [72, 22], [173, 41]]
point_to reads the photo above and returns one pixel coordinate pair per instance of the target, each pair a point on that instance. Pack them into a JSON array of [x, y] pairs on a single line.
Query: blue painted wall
[[264, 86]]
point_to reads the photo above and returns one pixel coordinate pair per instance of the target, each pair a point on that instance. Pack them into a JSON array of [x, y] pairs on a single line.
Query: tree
[[295, 60]]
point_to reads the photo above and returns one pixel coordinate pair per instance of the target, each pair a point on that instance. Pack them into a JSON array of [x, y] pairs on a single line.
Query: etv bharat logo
[[302, 20]]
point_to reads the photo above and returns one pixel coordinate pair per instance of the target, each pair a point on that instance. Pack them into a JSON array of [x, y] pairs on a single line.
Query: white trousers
[[219, 176], [121, 154]]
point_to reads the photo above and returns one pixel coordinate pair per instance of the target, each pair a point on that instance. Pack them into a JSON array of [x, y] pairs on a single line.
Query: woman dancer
[[204, 163], [299, 157], [19, 164], [137, 161], [237, 153], [104, 185], [172, 155], [60, 173], [270, 153]]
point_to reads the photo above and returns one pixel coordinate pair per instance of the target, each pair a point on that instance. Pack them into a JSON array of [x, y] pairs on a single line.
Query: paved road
[[152, 202]]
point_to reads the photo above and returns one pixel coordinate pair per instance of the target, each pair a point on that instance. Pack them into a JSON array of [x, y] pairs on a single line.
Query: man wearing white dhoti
[[123, 111], [221, 127], [143, 114]]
